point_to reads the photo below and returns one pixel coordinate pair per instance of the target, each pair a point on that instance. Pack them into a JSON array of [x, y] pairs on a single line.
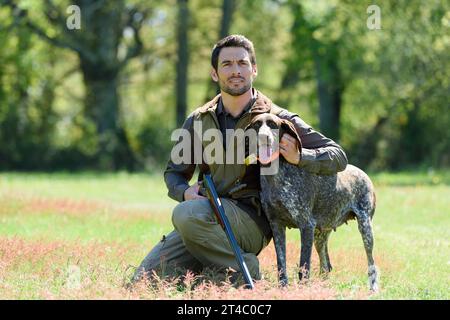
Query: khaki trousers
[[199, 241]]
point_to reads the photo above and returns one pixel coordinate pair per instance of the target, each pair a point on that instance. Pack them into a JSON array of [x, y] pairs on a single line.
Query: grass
[[90, 227]]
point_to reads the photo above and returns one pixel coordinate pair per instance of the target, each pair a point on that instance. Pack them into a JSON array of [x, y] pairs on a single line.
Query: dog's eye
[[271, 124], [256, 125]]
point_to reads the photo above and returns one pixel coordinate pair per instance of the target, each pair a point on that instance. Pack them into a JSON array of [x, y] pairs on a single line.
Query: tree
[[183, 61], [27, 118], [315, 53], [228, 7], [97, 47]]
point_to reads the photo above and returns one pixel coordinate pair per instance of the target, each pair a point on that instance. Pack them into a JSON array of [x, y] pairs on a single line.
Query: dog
[[315, 204]]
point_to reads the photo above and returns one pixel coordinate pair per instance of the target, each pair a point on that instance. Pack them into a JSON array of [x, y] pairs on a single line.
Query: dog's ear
[[288, 127], [250, 124]]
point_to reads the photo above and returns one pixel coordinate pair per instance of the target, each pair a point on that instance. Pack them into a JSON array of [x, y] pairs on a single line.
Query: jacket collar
[[262, 104], [221, 109]]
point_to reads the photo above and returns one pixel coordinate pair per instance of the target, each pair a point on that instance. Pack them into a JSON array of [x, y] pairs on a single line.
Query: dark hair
[[234, 40]]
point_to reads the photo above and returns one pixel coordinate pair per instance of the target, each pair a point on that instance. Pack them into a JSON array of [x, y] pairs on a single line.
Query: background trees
[[107, 96]]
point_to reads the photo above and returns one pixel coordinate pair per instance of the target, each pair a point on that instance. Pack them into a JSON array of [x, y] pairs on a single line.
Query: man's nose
[[235, 70]]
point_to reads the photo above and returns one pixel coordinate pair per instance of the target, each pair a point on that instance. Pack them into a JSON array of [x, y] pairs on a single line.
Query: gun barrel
[[219, 211]]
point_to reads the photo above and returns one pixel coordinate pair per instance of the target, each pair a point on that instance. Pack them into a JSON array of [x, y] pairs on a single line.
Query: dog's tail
[[374, 205]]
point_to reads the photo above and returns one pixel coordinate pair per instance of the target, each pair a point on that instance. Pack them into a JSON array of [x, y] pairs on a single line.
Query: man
[[198, 240]]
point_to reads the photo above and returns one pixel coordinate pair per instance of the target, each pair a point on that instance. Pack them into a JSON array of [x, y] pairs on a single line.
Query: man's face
[[235, 72]]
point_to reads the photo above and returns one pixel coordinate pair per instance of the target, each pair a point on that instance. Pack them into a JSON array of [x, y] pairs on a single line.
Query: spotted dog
[[315, 204]]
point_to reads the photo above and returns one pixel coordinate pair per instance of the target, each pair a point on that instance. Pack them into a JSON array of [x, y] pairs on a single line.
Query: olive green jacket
[[319, 154]]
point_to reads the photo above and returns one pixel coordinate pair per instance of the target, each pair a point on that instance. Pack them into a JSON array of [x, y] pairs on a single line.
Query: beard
[[235, 91]]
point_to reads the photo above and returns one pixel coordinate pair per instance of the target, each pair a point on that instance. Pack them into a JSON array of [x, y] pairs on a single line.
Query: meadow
[[79, 236]]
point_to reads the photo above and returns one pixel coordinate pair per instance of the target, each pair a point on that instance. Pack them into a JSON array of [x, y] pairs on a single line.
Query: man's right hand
[[191, 193]]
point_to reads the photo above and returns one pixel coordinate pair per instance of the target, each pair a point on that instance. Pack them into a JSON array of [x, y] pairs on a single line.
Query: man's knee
[[187, 214], [180, 215]]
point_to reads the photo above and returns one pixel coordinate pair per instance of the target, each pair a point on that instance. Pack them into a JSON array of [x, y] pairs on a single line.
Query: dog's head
[[270, 128]]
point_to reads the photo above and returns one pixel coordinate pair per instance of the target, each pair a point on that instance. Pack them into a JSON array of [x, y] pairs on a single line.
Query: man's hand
[[191, 193], [289, 149]]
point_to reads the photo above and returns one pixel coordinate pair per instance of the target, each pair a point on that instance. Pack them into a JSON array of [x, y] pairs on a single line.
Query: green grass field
[[55, 228]]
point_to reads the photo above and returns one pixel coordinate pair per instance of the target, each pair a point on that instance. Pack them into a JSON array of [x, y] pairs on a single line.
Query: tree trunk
[[182, 63], [228, 7], [329, 87], [102, 108], [101, 77], [296, 61], [227, 15]]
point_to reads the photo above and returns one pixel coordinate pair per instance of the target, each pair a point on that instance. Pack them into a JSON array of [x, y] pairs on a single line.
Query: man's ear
[[214, 75], [255, 70]]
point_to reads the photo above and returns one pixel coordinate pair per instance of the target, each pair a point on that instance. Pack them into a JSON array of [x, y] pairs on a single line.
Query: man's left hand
[[289, 149]]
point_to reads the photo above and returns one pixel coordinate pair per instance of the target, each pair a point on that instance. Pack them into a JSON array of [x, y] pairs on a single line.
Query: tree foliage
[[107, 96]]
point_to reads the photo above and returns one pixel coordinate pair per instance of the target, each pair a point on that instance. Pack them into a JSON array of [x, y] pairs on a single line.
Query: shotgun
[[219, 211]]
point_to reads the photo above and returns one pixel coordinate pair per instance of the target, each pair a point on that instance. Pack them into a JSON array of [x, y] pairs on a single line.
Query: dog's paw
[[283, 282], [373, 279]]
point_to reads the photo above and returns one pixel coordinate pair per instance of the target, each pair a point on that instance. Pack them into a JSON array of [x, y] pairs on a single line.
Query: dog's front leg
[[307, 238], [279, 240]]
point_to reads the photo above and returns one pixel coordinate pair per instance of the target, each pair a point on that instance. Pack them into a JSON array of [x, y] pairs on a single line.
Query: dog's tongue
[[265, 154]]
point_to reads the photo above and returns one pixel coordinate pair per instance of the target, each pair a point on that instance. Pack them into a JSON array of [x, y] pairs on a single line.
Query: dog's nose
[[265, 135]]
